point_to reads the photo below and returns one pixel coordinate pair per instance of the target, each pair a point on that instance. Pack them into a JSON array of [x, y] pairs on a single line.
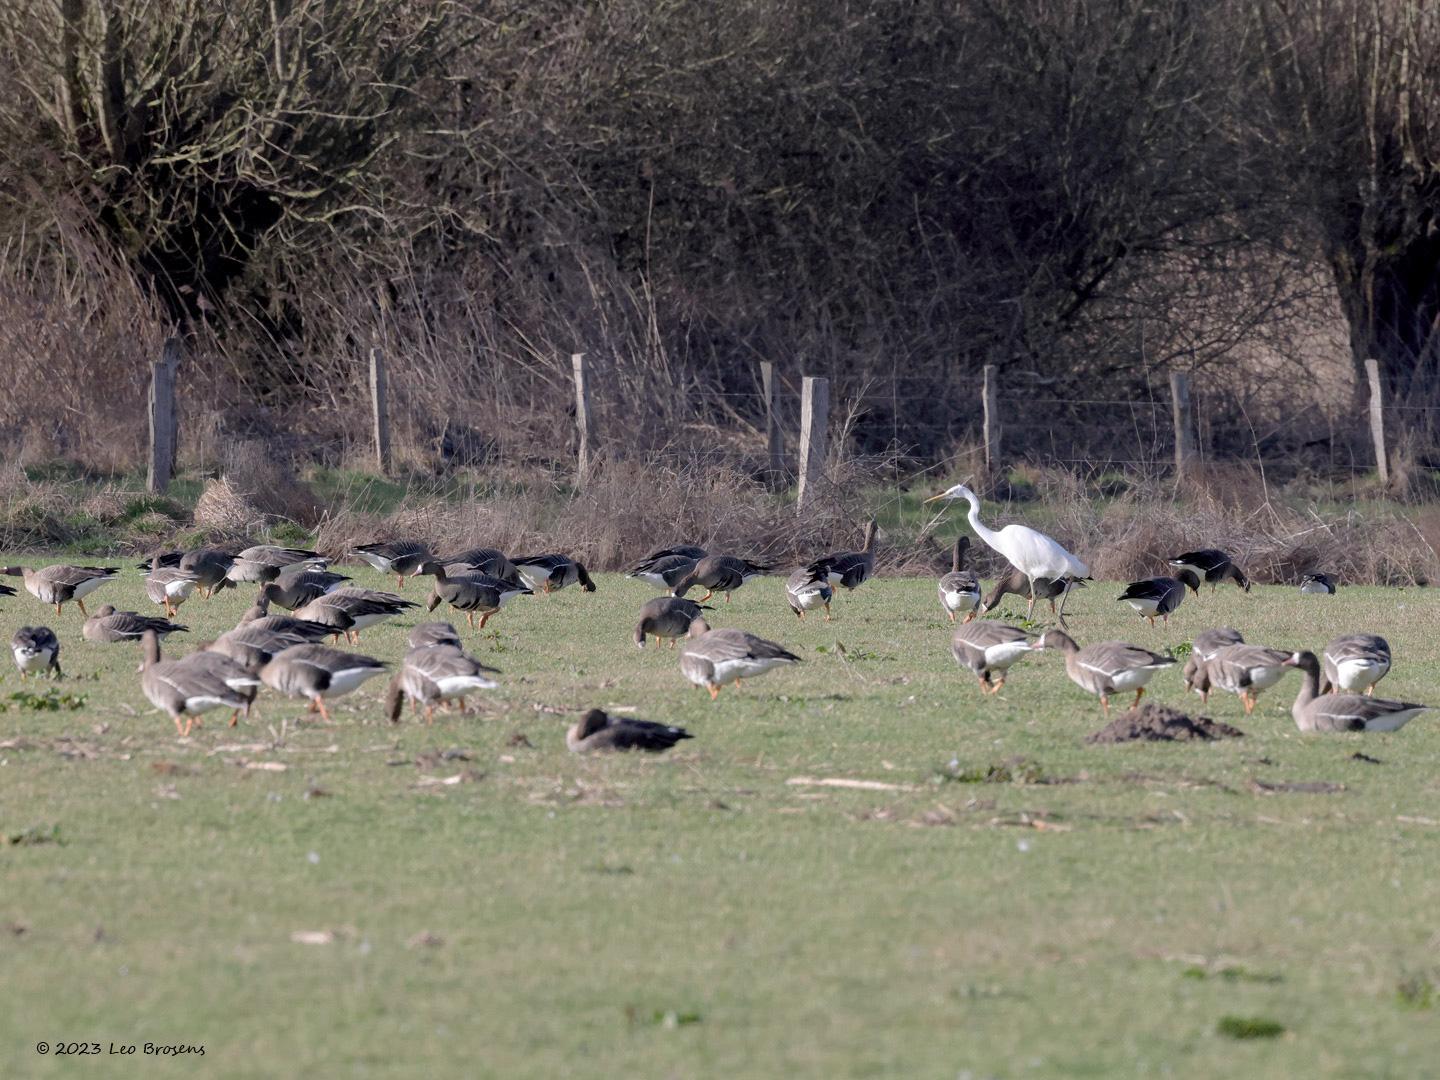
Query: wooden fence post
[[1184, 424], [1377, 421], [164, 427], [990, 398], [379, 403], [582, 418], [814, 436], [772, 423]]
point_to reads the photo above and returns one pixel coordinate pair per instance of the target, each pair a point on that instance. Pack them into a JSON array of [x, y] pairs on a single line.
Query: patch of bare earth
[[1159, 723]]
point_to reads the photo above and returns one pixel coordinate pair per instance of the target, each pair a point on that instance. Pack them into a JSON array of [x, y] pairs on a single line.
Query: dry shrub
[[224, 509], [267, 479]]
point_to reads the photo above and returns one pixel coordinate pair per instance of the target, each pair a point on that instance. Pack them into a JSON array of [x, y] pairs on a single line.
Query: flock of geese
[[289, 654]]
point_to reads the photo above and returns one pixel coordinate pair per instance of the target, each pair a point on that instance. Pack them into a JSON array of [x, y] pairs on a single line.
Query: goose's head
[[959, 491]]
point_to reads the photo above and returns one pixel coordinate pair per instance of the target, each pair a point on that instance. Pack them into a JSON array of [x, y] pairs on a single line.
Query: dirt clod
[[1158, 723]]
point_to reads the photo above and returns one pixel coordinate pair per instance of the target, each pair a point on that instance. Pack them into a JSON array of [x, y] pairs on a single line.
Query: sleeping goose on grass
[[1107, 667], [850, 569], [1354, 662], [1317, 712], [1204, 646], [666, 618], [1159, 595], [550, 573], [194, 684], [809, 588], [60, 584], [960, 588], [719, 573], [403, 558], [989, 648], [435, 674], [597, 731], [36, 650], [108, 626], [1212, 565], [714, 658], [318, 672], [1246, 670], [1317, 584]]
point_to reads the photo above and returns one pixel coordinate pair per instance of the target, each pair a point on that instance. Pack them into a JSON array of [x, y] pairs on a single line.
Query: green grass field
[[471, 900]]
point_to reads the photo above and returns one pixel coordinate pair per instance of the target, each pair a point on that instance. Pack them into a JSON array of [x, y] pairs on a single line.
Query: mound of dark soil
[[1158, 723]]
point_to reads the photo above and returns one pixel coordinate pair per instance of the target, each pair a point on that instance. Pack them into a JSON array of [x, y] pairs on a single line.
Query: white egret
[[1028, 550]]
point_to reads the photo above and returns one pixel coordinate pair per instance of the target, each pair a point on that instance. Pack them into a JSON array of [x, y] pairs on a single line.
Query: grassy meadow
[[469, 899]]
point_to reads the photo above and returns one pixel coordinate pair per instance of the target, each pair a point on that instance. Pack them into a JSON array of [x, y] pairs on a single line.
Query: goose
[[1246, 670], [108, 625], [434, 674], [433, 633], [693, 552], [473, 594], [987, 648], [850, 569], [665, 571], [1159, 595], [1107, 667], [1314, 711], [60, 584], [210, 567], [1355, 662], [258, 618], [712, 658], [1028, 550], [550, 573], [667, 618], [960, 588], [36, 648], [239, 678], [399, 557], [719, 573], [1317, 584], [1212, 565], [253, 647], [169, 586], [809, 588], [264, 562], [169, 559], [348, 611], [318, 672], [6, 590], [1196, 675], [597, 731], [489, 561], [296, 588], [189, 687], [1017, 584]]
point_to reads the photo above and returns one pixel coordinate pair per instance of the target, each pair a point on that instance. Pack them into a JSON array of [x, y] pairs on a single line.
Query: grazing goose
[[712, 658], [809, 588], [693, 552], [719, 573], [550, 573], [209, 565], [399, 557], [258, 618], [596, 731], [1028, 550], [296, 588], [426, 634], [473, 594], [318, 672], [1245, 670], [253, 647], [667, 618], [434, 674], [169, 559], [1107, 667], [264, 562], [666, 571], [348, 611], [169, 586], [1017, 584], [1355, 662], [1213, 566], [987, 648], [960, 588], [36, 648], [1205, 645], [1314, 711], [108, 625], [850, 569], [194, 684], [59, 585], [489, 561], [1159, 595], [1317, 584]]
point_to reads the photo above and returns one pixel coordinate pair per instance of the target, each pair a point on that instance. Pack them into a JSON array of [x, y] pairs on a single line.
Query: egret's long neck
[[975, 522]]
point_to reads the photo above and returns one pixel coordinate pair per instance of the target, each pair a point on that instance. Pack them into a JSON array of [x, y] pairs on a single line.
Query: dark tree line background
[[1088, 192]]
